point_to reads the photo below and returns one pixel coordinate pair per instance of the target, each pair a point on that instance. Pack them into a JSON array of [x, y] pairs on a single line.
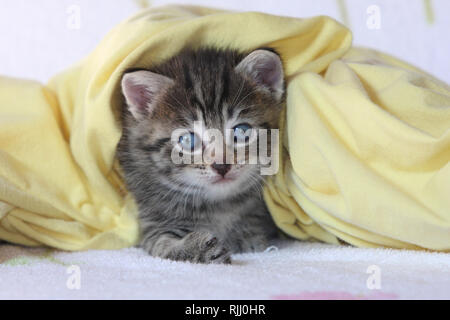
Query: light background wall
[[38, 38]]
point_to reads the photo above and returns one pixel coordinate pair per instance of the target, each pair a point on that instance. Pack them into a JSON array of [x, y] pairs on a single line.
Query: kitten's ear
[[141, 89], [266, 69]]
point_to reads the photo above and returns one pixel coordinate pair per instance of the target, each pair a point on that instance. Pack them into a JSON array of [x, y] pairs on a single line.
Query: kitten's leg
[[197, 247], [255, 232]]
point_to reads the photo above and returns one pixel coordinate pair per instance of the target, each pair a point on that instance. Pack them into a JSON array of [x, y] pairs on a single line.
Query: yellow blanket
[[366, 137]]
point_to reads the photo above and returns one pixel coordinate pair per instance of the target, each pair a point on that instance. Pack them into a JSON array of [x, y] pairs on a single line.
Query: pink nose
[[221, 169]]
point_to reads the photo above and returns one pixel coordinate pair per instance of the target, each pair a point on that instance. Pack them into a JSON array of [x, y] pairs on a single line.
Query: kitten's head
[[168, 106]]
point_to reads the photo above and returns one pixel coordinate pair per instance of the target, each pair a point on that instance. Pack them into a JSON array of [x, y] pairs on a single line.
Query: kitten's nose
[[221, 169]]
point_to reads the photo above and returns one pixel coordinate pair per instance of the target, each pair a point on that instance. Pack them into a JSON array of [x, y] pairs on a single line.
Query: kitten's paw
[[204, 247]]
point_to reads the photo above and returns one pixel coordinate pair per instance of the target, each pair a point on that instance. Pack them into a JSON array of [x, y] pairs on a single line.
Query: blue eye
[[189, 141], [241, 132]]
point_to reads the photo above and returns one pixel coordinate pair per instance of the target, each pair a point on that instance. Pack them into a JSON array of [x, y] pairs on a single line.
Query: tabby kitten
[[199, 212]]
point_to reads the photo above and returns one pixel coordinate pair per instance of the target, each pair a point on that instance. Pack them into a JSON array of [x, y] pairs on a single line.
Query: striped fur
[[181, 216]]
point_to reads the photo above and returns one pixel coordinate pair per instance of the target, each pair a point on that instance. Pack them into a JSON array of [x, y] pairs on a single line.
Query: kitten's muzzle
[[221, 169]]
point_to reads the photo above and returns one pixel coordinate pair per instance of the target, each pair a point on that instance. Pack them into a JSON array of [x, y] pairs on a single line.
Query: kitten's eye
[[240, 132], [189, 141]]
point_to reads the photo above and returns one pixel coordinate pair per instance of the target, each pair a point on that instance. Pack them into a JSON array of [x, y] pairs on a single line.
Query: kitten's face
[[173, 109]]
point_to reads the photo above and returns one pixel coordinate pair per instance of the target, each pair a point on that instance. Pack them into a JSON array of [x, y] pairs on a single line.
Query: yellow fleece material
[[365, 153]]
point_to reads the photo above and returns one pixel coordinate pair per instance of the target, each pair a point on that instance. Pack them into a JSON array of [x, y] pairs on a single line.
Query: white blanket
[[295, 271]]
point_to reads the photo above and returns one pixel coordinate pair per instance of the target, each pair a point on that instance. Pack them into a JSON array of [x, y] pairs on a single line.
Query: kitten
[[199, 212]]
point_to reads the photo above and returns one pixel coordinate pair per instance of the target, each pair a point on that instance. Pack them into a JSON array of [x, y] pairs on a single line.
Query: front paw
[[204, 247]]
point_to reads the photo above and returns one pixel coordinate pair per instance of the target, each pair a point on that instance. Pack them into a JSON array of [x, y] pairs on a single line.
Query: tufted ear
[[266, 69], [141, 89]]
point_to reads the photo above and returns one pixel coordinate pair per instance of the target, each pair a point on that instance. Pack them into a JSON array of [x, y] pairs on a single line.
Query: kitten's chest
[[221, 222]]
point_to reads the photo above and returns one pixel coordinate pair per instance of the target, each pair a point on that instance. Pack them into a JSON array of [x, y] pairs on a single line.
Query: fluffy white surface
[[37, 43], [295, 271]]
